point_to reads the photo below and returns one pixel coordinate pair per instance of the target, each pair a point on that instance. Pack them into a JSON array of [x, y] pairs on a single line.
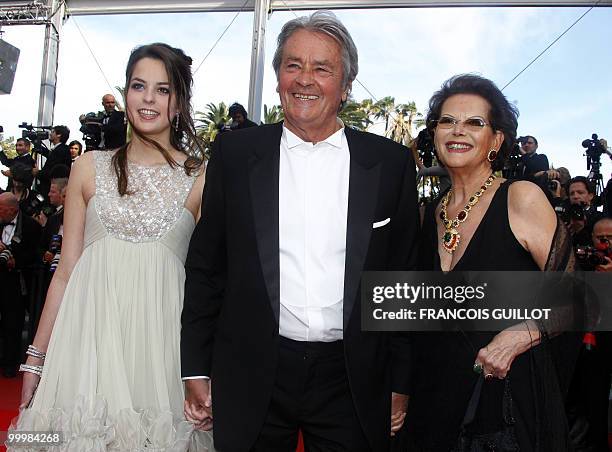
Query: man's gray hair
[[327, 23]]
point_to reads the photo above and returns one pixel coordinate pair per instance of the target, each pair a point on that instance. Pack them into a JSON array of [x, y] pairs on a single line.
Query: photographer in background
[[22, 146], [534, 164], [239, 117], [18, 250], [57, 194], [30, 201], [58, 155], [583, 214], [114, 126]]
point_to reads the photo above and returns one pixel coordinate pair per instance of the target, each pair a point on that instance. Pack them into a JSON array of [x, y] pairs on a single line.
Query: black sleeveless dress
[[443, 380]]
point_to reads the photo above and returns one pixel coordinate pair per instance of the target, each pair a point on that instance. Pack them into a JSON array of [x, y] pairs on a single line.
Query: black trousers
[[12, 315], [311, 394]]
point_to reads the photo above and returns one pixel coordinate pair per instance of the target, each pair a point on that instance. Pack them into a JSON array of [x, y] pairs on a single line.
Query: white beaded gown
[[111, 380]]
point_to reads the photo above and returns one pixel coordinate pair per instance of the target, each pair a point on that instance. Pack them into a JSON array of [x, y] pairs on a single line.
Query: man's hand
[[47, 257], [399, 404], [10, 264], [607, 267], [35, 171], [41, 218], [198, 403]]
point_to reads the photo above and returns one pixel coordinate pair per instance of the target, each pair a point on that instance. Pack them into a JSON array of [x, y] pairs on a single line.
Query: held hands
[[198, 403], [399, 404]]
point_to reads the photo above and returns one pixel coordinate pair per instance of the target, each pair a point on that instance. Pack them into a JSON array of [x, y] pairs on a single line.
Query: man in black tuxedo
[[59, 155], [114, 126], [18, 246], [292, 214]]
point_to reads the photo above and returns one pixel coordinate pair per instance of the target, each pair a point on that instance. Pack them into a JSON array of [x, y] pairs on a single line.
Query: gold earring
[[492, 155]]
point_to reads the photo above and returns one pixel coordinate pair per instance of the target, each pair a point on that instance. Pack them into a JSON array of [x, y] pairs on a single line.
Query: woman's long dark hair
[[183, 137]]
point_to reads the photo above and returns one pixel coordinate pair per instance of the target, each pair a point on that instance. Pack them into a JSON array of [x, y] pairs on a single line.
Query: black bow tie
[[12, 223]]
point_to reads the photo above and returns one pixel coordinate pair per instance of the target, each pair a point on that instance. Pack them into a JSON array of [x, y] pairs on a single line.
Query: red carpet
[[10, 394]]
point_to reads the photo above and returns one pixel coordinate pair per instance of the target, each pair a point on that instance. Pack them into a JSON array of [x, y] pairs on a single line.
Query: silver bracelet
[[36, 353], [37, 370]]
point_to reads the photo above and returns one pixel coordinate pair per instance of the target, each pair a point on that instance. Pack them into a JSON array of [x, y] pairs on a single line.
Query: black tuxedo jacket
[[60, 155], [115, 130], [24, 244], [231, 309]]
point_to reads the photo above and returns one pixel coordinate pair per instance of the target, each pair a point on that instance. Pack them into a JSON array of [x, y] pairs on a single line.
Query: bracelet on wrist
[[36, 353], [37, 370]]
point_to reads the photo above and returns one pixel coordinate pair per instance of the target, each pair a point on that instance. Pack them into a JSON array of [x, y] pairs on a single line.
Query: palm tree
[[354, 115], [273, 114], [210, 123], [401, 122], [383, 108]]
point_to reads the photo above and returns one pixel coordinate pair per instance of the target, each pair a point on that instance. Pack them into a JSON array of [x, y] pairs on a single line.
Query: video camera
[[91, 128], [36, 134]]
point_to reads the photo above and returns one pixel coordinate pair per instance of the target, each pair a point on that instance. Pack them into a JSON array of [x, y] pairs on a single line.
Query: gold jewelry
[[451, 237], [492, 155]]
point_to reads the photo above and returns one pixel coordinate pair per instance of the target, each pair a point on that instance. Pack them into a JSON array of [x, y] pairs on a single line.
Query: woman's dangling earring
[[176, 124], [492, 155]]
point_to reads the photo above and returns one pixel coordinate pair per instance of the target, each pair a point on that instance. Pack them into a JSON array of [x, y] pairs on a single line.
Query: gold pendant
[[450, 240]]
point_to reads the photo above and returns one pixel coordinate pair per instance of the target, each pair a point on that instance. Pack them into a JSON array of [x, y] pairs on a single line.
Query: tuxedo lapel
[[263, 184], [363, 195]]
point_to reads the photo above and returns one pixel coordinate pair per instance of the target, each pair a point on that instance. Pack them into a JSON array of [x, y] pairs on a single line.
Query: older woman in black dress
[[484, 222]]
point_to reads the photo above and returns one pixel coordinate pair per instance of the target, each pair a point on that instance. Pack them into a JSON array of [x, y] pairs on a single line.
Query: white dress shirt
[[313, 206], [9, 231]]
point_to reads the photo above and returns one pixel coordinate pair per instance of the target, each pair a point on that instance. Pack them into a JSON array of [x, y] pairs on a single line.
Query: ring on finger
[[488, 376], [477, 368]]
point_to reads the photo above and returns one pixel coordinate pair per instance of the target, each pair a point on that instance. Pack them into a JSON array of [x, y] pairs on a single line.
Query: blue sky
[[406, 53]]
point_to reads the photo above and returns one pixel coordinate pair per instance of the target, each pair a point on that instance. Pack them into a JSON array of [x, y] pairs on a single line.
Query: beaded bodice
[[154, 203]]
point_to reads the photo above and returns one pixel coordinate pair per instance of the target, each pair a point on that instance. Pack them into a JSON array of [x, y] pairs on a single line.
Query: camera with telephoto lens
[[569, 212], [34, 205], [593, 256], [5, 256]]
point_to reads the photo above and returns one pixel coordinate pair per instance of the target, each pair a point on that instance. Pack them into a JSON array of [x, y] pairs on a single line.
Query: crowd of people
[[149, 274]]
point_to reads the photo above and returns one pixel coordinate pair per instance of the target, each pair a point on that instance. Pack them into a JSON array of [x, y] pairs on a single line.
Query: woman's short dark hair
[[503, 116], [582, 180]]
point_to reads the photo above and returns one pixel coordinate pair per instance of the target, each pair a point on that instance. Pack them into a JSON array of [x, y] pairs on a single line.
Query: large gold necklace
[[451, 236]]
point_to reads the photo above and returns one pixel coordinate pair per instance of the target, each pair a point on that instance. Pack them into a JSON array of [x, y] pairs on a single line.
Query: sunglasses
[[448, 122]]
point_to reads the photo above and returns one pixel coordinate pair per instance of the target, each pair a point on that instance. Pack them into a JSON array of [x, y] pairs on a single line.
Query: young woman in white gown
[[110, 328]]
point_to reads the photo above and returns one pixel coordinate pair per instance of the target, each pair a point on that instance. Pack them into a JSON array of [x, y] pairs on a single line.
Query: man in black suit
[[292, 214], [59, 155], [114, 126], [22, 146], [535, 165], [18, 246]]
